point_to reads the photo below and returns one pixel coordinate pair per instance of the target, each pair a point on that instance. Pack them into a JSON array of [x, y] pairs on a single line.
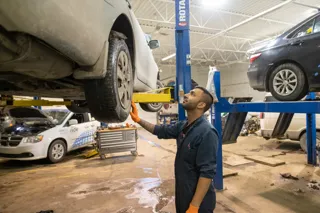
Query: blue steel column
[[311, 135], [218, 180], [183, 63]]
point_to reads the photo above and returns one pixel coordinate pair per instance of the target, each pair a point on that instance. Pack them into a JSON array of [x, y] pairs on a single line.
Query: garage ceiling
[[222, 31]]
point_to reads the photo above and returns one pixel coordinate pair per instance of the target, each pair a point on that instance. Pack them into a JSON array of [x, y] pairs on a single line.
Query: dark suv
[[289, 66]]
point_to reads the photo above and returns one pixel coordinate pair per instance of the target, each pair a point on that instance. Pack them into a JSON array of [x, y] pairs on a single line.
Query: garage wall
[[234, 79], [235, 82], [199, 74]]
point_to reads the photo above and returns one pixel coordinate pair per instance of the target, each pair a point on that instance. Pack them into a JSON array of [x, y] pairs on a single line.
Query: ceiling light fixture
[[213, 3], [168, 57]]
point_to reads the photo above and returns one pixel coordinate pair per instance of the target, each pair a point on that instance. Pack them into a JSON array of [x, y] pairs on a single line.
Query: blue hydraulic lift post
[[218, 179], [183, 61], [311, 134]]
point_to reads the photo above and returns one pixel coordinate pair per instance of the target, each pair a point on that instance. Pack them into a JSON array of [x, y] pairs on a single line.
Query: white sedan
[[93, 53]]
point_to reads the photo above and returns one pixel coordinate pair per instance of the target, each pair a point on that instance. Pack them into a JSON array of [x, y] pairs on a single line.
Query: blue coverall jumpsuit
[[196, 157]]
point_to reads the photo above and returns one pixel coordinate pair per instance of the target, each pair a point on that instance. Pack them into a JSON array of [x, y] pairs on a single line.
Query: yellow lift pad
[[163, 95]]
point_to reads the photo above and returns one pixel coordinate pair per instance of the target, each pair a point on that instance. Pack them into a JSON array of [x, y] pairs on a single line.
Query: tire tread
[[101, 94]]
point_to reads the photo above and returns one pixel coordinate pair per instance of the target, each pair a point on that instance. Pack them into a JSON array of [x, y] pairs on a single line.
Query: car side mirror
[[73, 122], [154, 44]]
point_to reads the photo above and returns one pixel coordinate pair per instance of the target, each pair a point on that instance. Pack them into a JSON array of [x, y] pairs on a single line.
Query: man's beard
[[189, 106]]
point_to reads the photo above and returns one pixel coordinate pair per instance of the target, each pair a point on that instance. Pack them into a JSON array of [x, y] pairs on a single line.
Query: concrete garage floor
[[143, 184]]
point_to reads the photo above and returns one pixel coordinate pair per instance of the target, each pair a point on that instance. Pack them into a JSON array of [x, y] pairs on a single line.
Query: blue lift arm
[[310, 108]]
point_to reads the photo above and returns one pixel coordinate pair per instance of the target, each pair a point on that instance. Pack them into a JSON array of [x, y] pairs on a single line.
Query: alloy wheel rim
[[57, 151], [285, 82], [124, 80]]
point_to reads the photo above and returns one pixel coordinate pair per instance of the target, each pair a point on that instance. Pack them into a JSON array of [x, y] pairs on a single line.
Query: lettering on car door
[[82, 133]]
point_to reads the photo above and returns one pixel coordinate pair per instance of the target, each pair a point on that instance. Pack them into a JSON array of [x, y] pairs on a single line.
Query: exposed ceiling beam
[[245, 21], [207, 48], [193, 5], [156, 9], [222, 32], [137, 5], [225, 36], [305, 5], [173, 23], [197, 59], [192, 30]]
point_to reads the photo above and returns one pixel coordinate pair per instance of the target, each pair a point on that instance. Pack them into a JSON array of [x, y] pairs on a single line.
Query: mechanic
[[195, 162]]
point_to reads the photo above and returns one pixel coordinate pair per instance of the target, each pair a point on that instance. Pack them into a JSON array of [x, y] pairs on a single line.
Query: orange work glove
[[134, 113], [192, 209]]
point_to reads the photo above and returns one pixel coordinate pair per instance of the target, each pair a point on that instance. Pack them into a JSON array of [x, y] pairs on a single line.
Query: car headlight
[[32, 139]]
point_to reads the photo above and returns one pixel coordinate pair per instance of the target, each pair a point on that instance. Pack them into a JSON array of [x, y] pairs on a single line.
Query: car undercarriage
[[17, 84], [51, 76]]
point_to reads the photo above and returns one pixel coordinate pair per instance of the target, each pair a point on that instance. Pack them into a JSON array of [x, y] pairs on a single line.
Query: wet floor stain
[[80, 192], [165, 193], [146, 170], [126, 210], [95, 190], [149, 192], [142, 192], [154, 144], [108, 187]]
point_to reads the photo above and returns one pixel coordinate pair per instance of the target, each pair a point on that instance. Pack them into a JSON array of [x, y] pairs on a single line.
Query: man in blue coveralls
[[195, 162]]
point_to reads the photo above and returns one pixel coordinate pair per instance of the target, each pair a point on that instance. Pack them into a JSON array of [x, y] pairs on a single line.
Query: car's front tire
[[57, 151], [287, 82], [303, 141], [109, 99]]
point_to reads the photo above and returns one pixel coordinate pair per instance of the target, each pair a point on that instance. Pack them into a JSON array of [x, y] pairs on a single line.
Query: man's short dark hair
[[207, 98]]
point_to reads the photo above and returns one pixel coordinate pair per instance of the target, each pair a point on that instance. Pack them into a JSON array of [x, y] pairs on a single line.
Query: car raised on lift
[[289, 66], [92, 53]]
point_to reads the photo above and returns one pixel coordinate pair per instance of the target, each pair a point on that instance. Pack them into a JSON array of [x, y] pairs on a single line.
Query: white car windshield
[[57, 114], [26, 115]]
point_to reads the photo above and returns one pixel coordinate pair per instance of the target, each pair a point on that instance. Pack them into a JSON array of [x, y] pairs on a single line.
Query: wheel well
[[123, 25], [275, 65], [62, 139], [304, 131]]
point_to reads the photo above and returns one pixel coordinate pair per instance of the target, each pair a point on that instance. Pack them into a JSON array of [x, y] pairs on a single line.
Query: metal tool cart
[[116, 140]]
